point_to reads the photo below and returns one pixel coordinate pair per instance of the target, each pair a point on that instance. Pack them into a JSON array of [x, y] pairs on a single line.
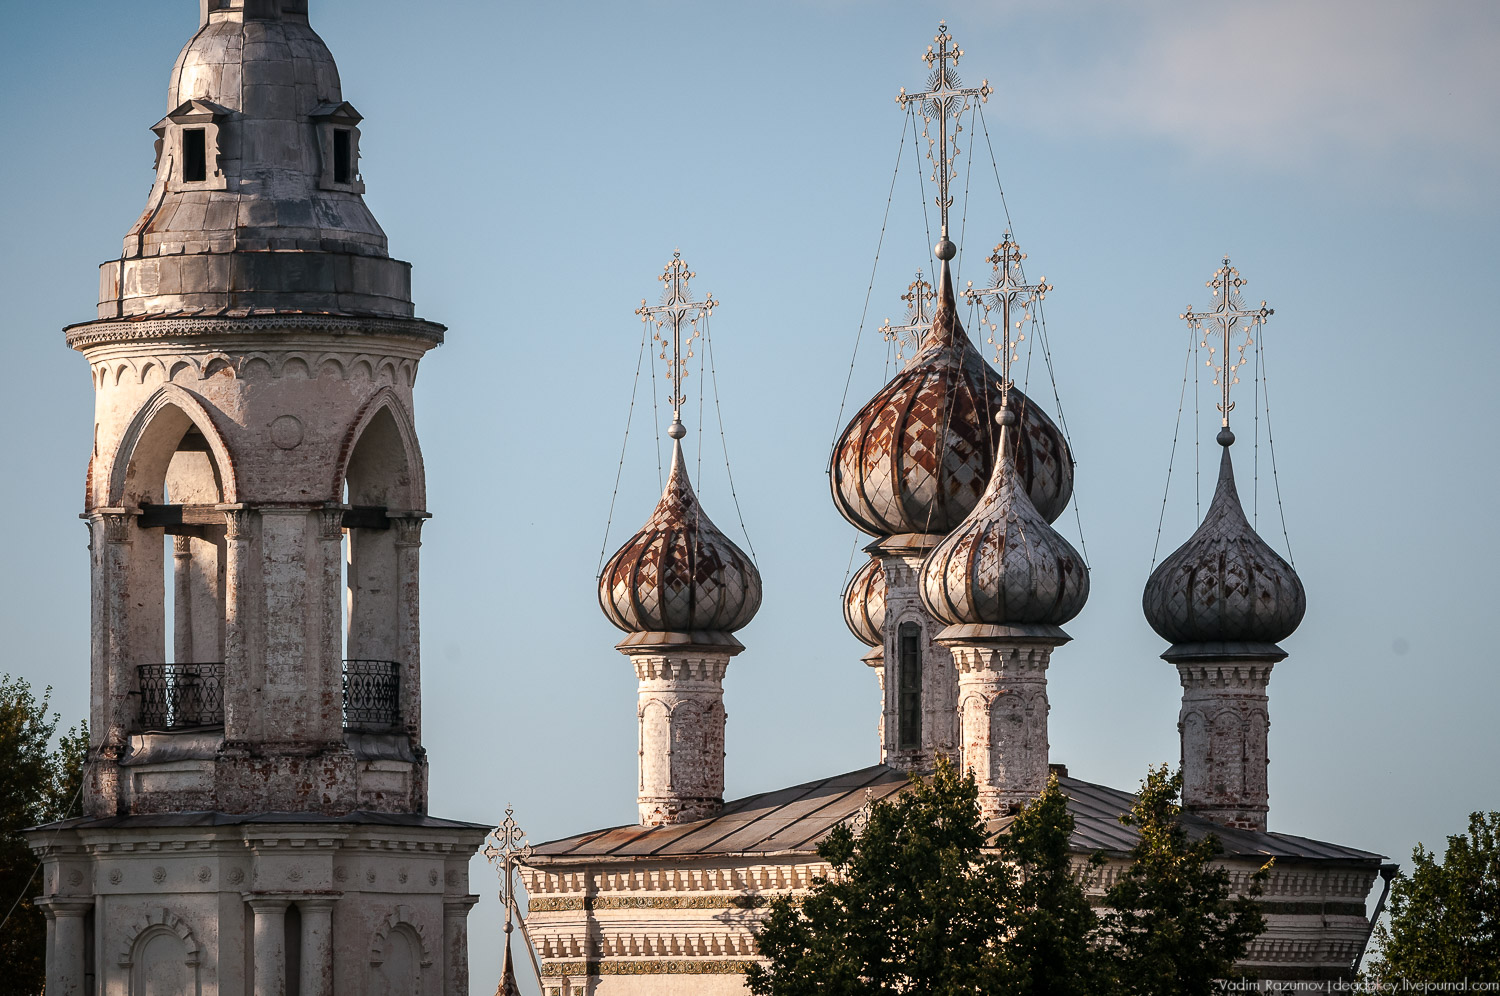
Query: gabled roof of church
[[793, 820]]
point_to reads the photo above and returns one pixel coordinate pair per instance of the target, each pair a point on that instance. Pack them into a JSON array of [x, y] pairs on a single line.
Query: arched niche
[[399, 956], [161, 957]]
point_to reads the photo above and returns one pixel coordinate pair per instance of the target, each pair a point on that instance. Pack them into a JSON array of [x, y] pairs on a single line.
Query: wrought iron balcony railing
[[181, 696], [187, 696], [372, 695]]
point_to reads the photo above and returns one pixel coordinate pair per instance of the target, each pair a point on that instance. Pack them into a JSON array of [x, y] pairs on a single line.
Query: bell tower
[[256, 797]]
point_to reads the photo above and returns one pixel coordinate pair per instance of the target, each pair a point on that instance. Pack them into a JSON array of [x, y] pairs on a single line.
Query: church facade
[[255, 808], [956, 476]]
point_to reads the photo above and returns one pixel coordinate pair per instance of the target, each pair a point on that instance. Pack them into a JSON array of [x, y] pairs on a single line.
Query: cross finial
[[505, 847], [677, 308], [918, 298], [1230, 320], [1010, 293], [944, 97]]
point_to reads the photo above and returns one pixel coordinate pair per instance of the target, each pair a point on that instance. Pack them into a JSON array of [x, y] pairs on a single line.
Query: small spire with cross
[[918, 297], [1233, 324], [676, 310], [1013, 297], [944, 97], [505, 848]]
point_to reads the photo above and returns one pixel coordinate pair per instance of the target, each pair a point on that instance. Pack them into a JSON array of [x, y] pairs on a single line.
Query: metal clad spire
[[1013, 296], [677, 308], [1229, 320], [944, 97]]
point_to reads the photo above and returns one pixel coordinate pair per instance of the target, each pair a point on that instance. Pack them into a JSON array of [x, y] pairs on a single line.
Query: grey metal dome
[[257, 205], [916, 458], [864, 604], [1004, 565], [679, 574], [1224, 590]]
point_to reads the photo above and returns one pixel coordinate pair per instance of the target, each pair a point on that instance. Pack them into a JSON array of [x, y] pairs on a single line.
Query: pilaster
[[408, 620], [66, 940], [456, 944]]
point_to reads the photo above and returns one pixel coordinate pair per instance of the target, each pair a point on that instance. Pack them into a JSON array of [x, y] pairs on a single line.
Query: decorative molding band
[[737, 966], [555, 904], [87, 334]]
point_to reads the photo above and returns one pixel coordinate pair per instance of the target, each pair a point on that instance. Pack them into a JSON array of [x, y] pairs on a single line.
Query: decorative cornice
[[676, 966], [559, 904], [88, 334]]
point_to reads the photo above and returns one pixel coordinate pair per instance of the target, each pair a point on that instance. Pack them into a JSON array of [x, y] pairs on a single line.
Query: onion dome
[[1005, 565], [679, 574], [1225, 585], [864, 604], [917, 457]]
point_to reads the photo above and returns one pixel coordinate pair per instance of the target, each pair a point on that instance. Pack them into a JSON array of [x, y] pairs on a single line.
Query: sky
[[539, 164]]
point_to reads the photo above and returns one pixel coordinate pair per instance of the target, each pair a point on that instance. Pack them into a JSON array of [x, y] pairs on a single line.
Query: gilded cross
[[1013, 296], [944, 97], [677, 308], [1229, 320], [918, 298]]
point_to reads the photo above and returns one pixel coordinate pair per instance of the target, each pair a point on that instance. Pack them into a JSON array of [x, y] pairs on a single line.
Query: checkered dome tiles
[[679, 574], [917, 457]]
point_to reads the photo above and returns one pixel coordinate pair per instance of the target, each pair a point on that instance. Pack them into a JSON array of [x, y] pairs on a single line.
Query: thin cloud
[[1285, 84]]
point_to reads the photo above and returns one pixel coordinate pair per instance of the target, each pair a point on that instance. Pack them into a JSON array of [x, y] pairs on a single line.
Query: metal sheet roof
[[793, 820]]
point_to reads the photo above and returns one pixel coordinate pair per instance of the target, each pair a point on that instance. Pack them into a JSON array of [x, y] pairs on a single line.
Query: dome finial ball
[[945, 249], [677, 430]]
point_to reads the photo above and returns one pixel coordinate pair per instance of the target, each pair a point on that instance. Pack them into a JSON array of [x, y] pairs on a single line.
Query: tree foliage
[[921, 902], [1445, 917], [907, 907], [38, 784], [1172, 927]]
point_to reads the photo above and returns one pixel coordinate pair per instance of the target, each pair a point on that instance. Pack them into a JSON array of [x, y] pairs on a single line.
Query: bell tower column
[[253, 357]]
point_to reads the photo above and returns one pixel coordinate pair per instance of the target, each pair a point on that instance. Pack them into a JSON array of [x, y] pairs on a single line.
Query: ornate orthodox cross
[[1229, 320], [918, 298], [944, 97], [1013, 296], [505, 848], [677, 308]]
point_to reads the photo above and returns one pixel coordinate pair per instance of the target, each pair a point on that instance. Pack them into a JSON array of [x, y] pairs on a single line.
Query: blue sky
[[539, 164]]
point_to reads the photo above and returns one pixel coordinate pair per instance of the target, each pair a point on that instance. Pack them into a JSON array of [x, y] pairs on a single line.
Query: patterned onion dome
[[1004, 565], [679, 574], [1225, 584], [864, 604], [917, 458]]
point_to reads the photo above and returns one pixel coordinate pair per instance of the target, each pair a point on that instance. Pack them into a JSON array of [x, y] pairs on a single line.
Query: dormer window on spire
[[338, 147], [190, 146]]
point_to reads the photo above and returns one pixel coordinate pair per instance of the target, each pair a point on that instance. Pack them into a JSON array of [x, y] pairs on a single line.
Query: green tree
[[1172, 927], [38, 784], [1050, 930], [1445, 918], [917, 903]]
